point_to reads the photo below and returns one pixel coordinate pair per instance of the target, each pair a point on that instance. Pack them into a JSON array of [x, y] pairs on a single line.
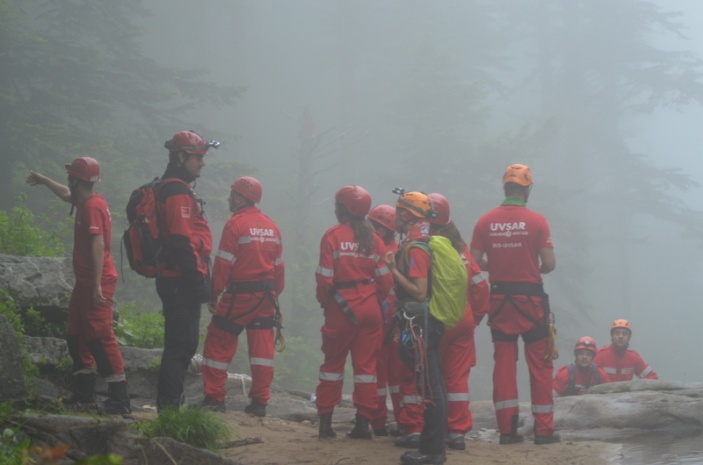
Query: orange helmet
[[621, 324], [248, 187], [189, 142], [355, 199], [417, 204], [519, 174], [587, 343], [440, 205], [383, 215], [84, 168]]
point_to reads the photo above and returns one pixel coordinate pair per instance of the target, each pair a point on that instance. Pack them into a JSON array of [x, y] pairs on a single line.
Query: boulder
[[43, 283], [12, 379]]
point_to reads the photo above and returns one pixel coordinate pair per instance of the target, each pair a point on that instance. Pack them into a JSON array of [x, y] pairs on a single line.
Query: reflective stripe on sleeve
[[326, 272], [610, 371], [226, 256], [382, 271], [646, 371]]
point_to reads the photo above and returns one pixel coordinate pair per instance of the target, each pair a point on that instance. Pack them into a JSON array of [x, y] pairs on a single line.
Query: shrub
[[19, 234], [191, 425], [139, 329]]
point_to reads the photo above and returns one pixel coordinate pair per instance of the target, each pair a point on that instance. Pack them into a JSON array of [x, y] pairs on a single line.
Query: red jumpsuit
[[511, 237], [90, 336], [458, 351], [582, 379], [387, 365], [621, 366], [350, 287], [248, 275]]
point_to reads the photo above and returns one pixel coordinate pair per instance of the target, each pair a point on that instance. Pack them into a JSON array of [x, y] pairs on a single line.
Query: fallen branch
[[243, 442]]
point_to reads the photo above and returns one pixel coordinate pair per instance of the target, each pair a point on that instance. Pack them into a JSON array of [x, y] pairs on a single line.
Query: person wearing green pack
[[514, 244], [421, 332], [457, 350]]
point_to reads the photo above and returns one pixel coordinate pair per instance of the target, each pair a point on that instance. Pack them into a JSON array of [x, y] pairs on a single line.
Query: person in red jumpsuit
[[458, 351], [352, 281], [518, 249], [575, 378], [90, 336], [421, 336], [382, 218], [248, 277], [183, 282], [618, 360]]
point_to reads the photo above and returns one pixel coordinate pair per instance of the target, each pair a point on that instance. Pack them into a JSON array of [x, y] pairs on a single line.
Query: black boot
[[255, 408], [326, 430], [118, 401], [361, 428], [82, 393]]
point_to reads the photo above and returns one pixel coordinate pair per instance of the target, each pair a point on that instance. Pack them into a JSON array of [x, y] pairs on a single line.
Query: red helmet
[[355, 199], [84, 168], [519, 174], [189, 142], [587, 343], [249, 187], [440, 205], [383, 215]]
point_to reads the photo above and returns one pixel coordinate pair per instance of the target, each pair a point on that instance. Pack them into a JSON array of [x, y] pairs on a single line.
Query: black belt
[[351, 284], [517, 289], [251, 287]]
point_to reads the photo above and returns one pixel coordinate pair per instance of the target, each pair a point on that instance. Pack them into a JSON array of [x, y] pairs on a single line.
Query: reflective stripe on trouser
[[394, 367], [221, 346], [505, 395], [458, 354], [362, 341], [90, 330], [410, 416], [380, 413]]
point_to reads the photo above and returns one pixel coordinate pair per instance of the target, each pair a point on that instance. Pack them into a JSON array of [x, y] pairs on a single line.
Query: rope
[[280, 341], [420, 352]]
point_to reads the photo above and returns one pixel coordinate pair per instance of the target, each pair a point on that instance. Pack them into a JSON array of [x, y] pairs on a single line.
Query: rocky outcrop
[[43, 283], [618, 411], [12, 379]]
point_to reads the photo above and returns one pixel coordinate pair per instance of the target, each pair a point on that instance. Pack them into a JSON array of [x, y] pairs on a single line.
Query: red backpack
[[142, 239]]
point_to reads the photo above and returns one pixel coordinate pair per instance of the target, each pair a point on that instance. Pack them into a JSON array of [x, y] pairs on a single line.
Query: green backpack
[[448, 280]]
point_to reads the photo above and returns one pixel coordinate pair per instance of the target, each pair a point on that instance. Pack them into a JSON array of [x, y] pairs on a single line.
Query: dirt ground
[[288, 443]]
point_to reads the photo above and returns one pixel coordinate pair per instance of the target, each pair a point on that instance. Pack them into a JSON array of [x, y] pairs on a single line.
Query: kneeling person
[[575, 378]]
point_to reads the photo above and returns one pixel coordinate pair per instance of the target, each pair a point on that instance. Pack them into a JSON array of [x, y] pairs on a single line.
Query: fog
[[600, 98]]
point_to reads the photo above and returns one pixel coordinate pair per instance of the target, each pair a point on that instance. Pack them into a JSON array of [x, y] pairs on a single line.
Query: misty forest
[[311, 95]]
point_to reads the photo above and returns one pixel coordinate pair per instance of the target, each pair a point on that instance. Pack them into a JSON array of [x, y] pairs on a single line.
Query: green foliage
[[36, 325], [298, 365], [10, 311], [65, 365], [13, 450], [14, 317], [191, 425], [19, 234], [136, 328]]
